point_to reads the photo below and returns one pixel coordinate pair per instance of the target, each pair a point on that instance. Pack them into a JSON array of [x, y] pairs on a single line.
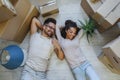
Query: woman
[[69, 38]]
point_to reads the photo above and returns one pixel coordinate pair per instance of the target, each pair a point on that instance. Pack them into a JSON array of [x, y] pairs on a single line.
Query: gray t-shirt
[[72, 49]]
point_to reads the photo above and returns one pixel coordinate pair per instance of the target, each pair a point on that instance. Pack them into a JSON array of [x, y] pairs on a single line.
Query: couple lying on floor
[[66, 43]]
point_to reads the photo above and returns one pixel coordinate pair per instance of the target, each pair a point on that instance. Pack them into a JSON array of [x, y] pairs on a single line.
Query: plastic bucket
[[12, 57]]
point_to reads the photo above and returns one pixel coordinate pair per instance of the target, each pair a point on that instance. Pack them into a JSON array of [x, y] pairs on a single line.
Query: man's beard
[[49, 34]]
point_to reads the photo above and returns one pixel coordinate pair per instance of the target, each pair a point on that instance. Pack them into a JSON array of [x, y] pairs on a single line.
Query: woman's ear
[[66, 31]]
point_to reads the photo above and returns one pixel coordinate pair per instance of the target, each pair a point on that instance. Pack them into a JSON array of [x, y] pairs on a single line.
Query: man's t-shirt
[[40, 50]]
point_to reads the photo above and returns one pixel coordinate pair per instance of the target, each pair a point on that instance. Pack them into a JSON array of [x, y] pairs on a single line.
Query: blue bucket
[[12, 57]]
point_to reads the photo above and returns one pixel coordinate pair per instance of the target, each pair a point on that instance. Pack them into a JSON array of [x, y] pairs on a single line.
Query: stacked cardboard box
[[7, 10], [89, 7], [49, 8], [11, 28], [107, 14], [104, 12], [112, 53]]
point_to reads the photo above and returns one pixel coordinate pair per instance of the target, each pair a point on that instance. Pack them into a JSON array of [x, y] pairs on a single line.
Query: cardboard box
[[108, 63], [14, 2], [105, 9], [103, 24], [44, 2], [115, 60], [89, 7], [7, 10], [49, 9], [8, 29], [112, 52], [114, 46], [114, 16], [25, 26], [107, 14], [94, 1], [104, 12]]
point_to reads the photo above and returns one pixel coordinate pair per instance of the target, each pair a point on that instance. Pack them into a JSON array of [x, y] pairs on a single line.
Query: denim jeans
[[84, 69], [30, 74]]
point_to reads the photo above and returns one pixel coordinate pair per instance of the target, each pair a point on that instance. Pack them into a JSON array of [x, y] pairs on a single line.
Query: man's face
[[49, 29]]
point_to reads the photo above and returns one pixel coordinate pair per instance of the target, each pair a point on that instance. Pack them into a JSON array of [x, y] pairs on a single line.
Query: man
[[41, 47]]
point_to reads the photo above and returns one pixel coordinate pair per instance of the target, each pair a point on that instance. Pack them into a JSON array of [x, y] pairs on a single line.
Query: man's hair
[[48, 20]]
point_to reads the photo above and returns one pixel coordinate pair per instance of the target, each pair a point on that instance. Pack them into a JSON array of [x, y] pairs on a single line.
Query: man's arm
[[35, 24], [58, 50]]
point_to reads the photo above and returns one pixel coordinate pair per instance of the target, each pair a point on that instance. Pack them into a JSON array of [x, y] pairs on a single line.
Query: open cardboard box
[[25, 26], [7, 10], [11, 29]]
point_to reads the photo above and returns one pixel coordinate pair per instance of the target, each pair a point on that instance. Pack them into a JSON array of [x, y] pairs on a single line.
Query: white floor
[[59, 70]]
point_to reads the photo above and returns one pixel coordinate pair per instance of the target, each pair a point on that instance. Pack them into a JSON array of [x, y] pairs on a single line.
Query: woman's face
[[71, 33]]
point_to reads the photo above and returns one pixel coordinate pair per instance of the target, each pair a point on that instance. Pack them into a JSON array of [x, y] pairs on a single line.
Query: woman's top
[[40, 50], [71, 48]]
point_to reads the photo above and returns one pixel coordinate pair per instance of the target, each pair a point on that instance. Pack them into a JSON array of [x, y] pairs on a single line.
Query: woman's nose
[[73, 34]]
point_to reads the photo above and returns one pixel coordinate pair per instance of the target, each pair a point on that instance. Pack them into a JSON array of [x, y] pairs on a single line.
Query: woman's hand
[[55, 43], [58, 49]]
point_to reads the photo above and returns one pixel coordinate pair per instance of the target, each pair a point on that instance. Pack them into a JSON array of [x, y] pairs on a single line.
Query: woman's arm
[[58, 50], [58, 34], [80, 34], [35, 24]]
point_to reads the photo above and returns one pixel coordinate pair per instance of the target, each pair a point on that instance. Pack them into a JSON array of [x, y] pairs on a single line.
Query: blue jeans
[[30, 74], [84, 69]]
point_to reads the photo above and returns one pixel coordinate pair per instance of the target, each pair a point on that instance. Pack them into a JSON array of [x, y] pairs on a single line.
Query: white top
[[71, 49], [40, 50]]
